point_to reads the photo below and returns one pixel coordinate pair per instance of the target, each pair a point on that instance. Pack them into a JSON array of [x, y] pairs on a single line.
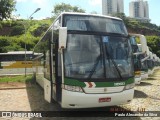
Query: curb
[[2, 75], [10, 88], [15, 87]]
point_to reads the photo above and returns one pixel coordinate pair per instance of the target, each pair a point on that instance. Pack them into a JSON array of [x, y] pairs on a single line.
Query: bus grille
[[104, 90]]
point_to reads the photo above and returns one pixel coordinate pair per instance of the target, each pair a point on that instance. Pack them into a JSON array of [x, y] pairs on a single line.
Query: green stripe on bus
[[74, 82], [114, 84], [130, 81]]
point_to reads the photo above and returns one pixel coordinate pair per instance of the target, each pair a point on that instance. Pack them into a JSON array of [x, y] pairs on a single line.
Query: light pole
[[30, 18]]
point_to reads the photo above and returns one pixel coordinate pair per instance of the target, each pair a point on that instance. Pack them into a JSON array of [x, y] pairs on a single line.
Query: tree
[[3, 43], [159, 28], [66, 8], [122, 16], [17, 30], [39, 30], [153, 43], [6, 8]]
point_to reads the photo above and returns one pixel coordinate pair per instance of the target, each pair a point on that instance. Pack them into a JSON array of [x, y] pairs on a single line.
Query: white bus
[[136, 58], [85, 61], [143, 55]]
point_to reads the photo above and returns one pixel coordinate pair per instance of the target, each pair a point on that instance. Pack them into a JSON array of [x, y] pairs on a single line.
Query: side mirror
[[62, 37]]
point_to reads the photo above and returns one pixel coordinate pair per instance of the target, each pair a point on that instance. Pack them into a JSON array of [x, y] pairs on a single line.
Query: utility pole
[[30, 18]]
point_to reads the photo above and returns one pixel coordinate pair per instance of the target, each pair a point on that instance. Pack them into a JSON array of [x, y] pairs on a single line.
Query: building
[[112, 6], [146, 9], [139, 10]]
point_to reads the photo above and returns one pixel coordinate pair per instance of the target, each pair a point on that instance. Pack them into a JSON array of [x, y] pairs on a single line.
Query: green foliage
[[138, 40], [29, 78], [3, 43], [15, 37], [0, 25], [135, 26], [38, 27], [138, 27], [17, 30], [123, 17], [17, 43], [153, 43], [62, 7], [6, 8], [40, 30]]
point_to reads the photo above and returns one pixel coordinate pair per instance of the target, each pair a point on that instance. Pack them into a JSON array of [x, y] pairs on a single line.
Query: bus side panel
[[39, 75], [47, 90]]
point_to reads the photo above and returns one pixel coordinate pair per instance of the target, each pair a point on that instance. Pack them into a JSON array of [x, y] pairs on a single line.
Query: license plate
[[108, 99]]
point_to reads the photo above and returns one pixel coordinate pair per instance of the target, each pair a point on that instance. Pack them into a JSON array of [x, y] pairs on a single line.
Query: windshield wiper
[[94, 67], [114, 63]]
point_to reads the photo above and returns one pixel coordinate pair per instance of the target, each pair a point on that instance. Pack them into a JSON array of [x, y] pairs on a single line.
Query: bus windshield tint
[[144, 63], [82, 53], [95, 24], [137, 62], [86, 57], [118, 57]]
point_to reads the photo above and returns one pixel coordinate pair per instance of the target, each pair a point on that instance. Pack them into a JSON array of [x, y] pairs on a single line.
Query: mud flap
[[47, 90]]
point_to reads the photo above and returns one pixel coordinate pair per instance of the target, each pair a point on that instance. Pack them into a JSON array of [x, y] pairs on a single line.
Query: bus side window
[[47, 66]]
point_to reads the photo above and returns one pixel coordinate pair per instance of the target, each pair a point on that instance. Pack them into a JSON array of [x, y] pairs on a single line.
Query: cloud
[[95, 2]]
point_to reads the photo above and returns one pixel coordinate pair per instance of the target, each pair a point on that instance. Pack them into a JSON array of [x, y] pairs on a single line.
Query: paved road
[[15, 71], [31, 99]]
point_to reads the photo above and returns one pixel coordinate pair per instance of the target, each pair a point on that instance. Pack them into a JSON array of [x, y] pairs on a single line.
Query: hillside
[[13, 37], [147, 29], [12, 33]]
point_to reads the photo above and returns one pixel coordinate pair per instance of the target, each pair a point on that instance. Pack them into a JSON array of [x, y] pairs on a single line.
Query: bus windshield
[[137, 63], [135, 49], [150, 63], [95, 56], [94, 24], [144, 66]]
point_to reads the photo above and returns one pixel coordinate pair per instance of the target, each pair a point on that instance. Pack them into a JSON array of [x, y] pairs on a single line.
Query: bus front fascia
[[67, 102]]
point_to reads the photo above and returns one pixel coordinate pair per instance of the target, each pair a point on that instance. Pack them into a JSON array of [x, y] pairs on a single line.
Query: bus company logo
[[6, 114], [90, 84], [119, 84]]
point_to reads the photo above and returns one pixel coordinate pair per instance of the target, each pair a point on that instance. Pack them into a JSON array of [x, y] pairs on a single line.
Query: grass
[[24, 79]]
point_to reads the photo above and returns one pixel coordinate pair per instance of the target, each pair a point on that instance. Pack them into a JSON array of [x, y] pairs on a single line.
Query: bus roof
[[89, 14]]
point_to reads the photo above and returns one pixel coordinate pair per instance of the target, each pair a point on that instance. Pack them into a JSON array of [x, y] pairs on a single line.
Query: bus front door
[[47, 90], [47, 77]]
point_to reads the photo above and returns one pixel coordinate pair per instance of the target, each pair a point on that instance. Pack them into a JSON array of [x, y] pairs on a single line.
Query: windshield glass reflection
[[92, 56]]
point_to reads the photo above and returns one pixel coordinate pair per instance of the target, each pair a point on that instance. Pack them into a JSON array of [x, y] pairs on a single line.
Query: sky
[[26, 7]]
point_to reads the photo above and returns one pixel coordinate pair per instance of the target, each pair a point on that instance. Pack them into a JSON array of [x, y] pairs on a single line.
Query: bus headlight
[[129, 86], [72, 88]]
